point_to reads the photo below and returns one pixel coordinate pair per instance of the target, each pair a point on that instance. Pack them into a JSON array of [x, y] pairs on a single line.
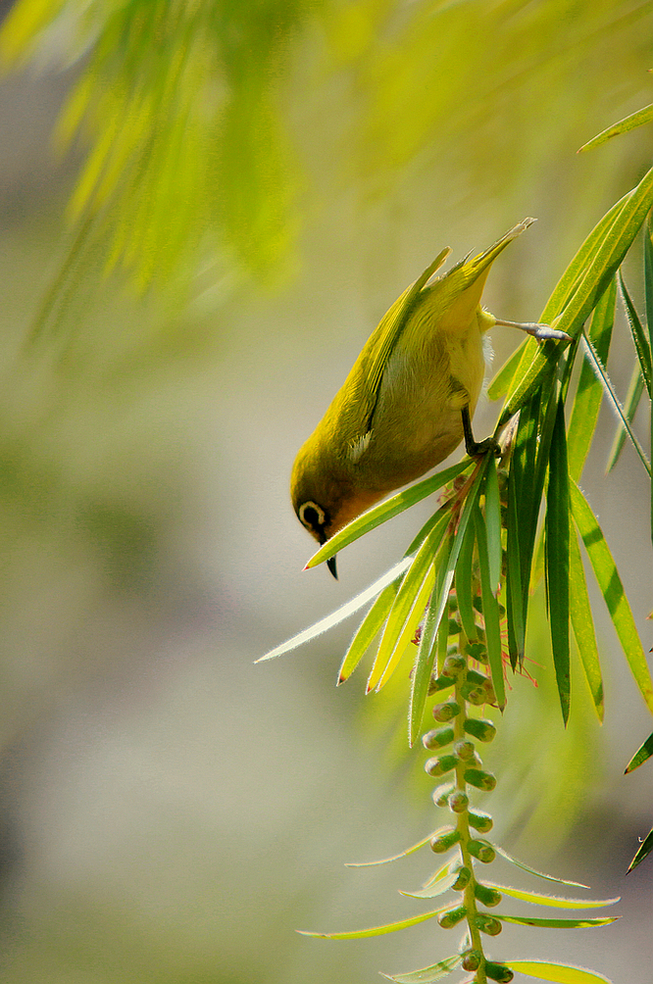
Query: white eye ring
[[320, 513]]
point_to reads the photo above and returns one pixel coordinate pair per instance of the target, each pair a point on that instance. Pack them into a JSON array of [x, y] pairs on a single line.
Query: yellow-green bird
[[408, 400]]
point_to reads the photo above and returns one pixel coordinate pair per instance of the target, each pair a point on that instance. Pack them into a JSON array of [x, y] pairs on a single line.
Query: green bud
[[479, 820], [472, 960], [458, 801], [498, 972], [450, 917], [454, 627], [440, 683], [477, 651], [478, 679], [441, 794], [440, 765], [454, 665], [488, 896], [488, 924], [463, 877], [481, 850], [464, 750], [447, 711], [481, 729], [480, 779], [490, 696], [437, 738], [474, 695], [444, 840]]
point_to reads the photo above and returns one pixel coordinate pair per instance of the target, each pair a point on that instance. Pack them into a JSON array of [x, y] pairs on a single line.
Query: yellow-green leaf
[[558, 973]]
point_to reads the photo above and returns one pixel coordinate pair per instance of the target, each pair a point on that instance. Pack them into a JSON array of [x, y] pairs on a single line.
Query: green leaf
[[464, 585], [645, 849], [407, 634], [609, 582], [493, 523], [361, 934], [535, 898], [428, 974], [490, 612], [558, 973], [589, 393], [395, 857], [631, 403], [532, 871], [648, 297], [594, 922], [437, 888], [557, 558], [643, 753], [340, 614], [613, 399], [386, 510], [640, 341], [502, 379], [367, 631], [639, 118], [583, 625]]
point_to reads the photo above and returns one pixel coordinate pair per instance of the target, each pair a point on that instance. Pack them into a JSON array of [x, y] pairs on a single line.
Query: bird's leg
[[541, 332], [472, 447]]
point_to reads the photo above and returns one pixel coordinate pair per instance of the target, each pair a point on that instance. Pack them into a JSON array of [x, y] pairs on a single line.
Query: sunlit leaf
[[644, 850], [490, 613], [648, 298], [427, 975], [594, 922], [582, 623], [609, 582], [557, 558], [393, 857], [640, 341], [493, 524], [533, 871], [360, 934], [464, 585], [340, 614], [639, 118], [386, 510], [631, 404], [643, 753], [557, 973], [367, 631], [550, 900], [437, 888]]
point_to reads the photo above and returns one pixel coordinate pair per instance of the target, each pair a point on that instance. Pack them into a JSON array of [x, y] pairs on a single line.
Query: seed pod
[[437, 738], [440, 683], [463, 876], [480, 728], [464, 749], [441, 794], [454, 665], [498, 972], [488, 924], [450, 917], [487, 895], [480, 779], [444, 840], [440, 765], [482, 850], [447, 711], [458, 801], [471, 960], [479, 820]]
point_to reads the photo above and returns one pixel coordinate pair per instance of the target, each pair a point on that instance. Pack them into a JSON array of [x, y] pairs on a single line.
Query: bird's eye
[[312, 516]]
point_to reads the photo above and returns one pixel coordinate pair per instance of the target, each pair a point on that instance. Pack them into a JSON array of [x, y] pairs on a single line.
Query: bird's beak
[[331, 564]]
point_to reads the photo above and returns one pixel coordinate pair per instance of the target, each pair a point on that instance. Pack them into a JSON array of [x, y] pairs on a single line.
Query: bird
[[408, 400]]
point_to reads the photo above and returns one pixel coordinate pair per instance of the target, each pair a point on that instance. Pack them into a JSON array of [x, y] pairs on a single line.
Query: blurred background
[[204, 210]]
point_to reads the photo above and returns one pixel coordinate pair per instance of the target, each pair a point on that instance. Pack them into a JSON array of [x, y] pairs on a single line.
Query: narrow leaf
[[340, 614], [394, 857], [558, 923], [503, 377], [583, 625], [639, 118], [386, 510], [558, 973], [640, 341], [648, 297], [361, 934], [609, 582], [367, 631], [493, 523], [643, 753], [464, 586], [645, 849], [409, 629], [428, 974], [557, 558], [551, 900], [432, 892], [490, 613], [631, 403], [532, 871], [589, 393]]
